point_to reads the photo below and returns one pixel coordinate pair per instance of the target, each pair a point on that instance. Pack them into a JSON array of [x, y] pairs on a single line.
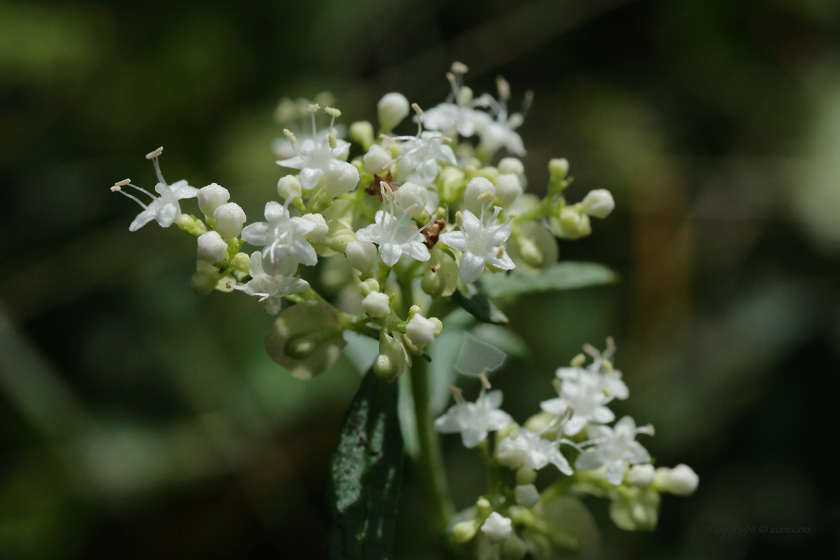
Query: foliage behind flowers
[[430, 211]]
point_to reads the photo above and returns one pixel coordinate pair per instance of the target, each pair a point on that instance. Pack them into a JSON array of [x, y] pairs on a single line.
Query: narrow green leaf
[[365, 475], [480, 307], [566, 275]]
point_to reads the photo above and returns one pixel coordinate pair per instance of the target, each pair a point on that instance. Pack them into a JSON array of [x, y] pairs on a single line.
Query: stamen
[[512, 214], [607, 365], [290, 135], [387, 138], [578, 360], [591, 350], [457, 393], [115, 188], [504, 88], [485, 196], [527, 101], [332, 111], [606, 391], [558, 386], [122, 183], [417, 109], [154, 154], [500, 252], [459, 68], [459, 219], [484, 381], [410, 209], [144, 191], [313, 108], [332, 140]]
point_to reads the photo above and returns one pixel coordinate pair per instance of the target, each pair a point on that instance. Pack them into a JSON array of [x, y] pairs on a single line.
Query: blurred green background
[[138, 420]]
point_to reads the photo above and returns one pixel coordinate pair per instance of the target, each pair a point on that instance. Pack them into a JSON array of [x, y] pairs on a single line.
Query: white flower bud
[[376, 304], [393, 108], [680, 481], [321, 227], [411, 196], [598, 203], [211, 197], [211, 247], [229, 220], [342, 177], [420, 331], [508, 188], [361, 255], [511, 165], [465, 95], [497, 528], [476, 188], [288, 187], [641, 475], [464, 531], [376, 158], [527, 495]]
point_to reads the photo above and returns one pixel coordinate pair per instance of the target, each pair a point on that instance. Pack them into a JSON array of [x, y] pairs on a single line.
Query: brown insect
[[432, 232], [375, 188]]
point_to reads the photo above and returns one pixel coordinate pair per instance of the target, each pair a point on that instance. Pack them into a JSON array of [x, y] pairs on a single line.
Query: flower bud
[[641, 475], [511, 165], [288, 187], [483, 506], [229, 220], [411, 196], [241, 261], [390, 362], [393, 108], [211, 247], [421, 331], [361, 255], [211, 197], [465, 95], [570, 224], [497, 528], [321, 227], [526, 476], [377, 304], [598, 203], [464, 531], [558, 168], [361, 132], [680, 481], [508, 188], [205, 279], [342, 177], [368, 286], [527, 495], [478, 187], [376, 159]]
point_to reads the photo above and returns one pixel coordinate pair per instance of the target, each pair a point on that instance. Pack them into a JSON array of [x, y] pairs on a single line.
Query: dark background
[[138, 420]]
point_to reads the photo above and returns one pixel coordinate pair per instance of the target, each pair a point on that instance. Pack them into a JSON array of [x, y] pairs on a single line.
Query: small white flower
[[528, 449], [459, 112], [611, 382], [271, 288], [229, 220], [392, 109], [361, 255], [480, 245], [376, 304], [421, 157], [527, 495], [497, 528], [323, 157], [164, 209], [211, 197], [508, 188], [680, 481], [376, 159], [211, 247], [420, 331], [613, 448], [281, 236], [641, 475], [500, 131], [321, 228], [395, 236], [584, 397], [474, 420], [598, 203]]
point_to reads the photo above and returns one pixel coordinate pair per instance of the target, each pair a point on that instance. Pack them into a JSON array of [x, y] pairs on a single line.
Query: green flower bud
[[207, 278], [440, 275], [241, 261], [570, 224], [368, 286], [558, 168], [306, 339], [464, 531], [390, 362], [191, 225], [532, 248], [635, 509], [361, 132], [484, 507], [525, 476]]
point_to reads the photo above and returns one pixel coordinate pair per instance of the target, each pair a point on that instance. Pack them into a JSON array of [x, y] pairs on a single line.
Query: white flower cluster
[[606, 458], [404, 206]]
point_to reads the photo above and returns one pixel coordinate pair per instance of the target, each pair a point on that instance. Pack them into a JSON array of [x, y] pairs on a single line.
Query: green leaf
[[365, 475], [566, 275], [480, 307]]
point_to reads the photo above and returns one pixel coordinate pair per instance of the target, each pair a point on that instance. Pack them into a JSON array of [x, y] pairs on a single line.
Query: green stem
[[429, 460]]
